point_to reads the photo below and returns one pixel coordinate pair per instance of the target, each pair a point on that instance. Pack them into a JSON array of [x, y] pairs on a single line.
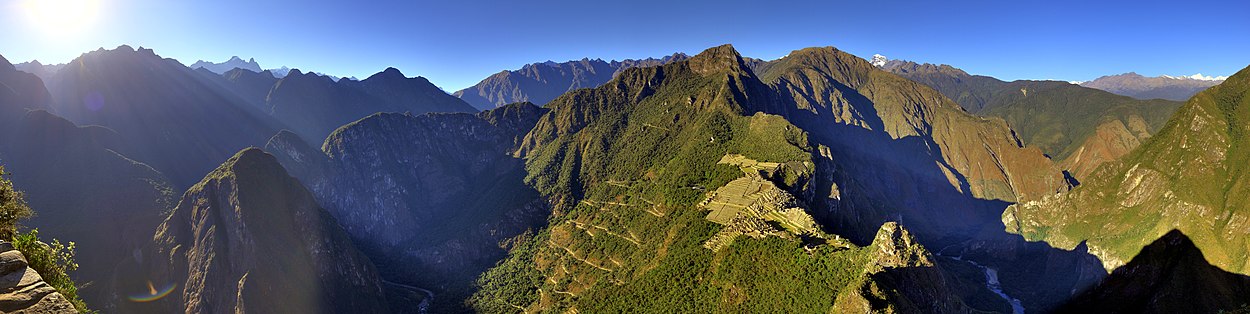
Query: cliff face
[[250, 238], [432, 195], [22, 290]]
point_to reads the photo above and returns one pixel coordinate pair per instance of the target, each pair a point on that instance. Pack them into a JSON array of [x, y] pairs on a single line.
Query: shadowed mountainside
[[166, 114], [1169, 276], [250, 238], [429, 197]]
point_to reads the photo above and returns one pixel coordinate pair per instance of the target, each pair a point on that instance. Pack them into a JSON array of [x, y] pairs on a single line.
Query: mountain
[[1169, 276], [23, 91], [280, 72], [23, 290], [675, 190], [313, 105], [430, 197], [1081, 127], [890, 149], [169, 116], [43, 71], [251, 86], [233, 63], [539, 83], [1161, 87], [250, 238], [86, 193], [1187, 177]]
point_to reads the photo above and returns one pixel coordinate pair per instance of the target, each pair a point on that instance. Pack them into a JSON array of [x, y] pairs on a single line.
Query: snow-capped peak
[[878, 60], [1197, 77]]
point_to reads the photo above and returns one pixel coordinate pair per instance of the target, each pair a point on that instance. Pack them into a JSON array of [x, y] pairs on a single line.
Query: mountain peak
[[716, 60], [389, 73], [5, 66], [897, 248], [879, 60]]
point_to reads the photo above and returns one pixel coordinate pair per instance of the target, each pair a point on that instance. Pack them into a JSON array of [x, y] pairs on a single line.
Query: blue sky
[[457, 43]]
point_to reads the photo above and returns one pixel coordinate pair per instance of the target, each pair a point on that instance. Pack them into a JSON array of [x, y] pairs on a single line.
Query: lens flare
[[60, 18], [152, 294]]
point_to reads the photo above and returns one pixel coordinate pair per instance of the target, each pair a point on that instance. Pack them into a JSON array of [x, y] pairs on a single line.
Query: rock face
[[1161, 87], [87, 193], [901, 277], [431, 196], [1187, 177], [250, 238], [1060, 118], [169, 116], [541, 82], [1169, 276], [22, 290]]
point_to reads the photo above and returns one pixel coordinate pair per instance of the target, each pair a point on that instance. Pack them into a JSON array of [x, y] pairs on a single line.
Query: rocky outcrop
[[250, 238], [539, 83], [22, 290], [901, 277]]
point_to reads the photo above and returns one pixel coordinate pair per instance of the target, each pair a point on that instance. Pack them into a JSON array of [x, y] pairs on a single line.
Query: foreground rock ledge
[[22, 290]]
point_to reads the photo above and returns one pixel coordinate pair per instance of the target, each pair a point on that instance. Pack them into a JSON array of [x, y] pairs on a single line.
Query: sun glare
[[62, 18]]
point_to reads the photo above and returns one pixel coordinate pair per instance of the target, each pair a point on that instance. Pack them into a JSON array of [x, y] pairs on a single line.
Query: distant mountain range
[[817, 182], [539, 83], [233, 63], [1080, 127], [1178, 88]]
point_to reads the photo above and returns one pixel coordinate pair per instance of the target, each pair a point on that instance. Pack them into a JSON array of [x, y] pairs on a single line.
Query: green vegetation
[[627, 164], [1055, 116], [1191, 176], [53, 261]]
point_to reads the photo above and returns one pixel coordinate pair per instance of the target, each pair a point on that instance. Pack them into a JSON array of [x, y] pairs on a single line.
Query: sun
[[62, 18]]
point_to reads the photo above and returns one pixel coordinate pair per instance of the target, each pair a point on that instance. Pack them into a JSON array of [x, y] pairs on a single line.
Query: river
[[424, 306]]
